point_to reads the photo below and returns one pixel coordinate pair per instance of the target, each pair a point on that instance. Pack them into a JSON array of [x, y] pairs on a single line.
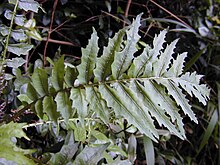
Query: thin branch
[[50, 30], [58, 42], [127, 10], [173, 15]]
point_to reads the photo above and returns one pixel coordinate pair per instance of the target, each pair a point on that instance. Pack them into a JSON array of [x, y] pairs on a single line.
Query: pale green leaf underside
[[143, 90]]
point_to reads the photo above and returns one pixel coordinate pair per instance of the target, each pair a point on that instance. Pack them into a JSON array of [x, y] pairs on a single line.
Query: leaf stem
[[62, 120]]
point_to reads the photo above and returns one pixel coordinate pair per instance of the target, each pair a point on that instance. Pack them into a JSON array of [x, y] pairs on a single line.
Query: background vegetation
[[49, 29]]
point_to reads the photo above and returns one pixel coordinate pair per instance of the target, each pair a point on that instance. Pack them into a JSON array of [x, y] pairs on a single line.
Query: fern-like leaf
[[143, 90]]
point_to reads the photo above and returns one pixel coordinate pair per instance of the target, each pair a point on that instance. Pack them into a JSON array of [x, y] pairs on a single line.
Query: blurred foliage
[[196, 23]]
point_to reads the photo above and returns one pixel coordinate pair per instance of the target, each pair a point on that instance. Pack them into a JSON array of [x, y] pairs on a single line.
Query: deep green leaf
[[40, 81], [88, 59], [117, 150], [64, 105], [57, 158], [39, 108], [91, 155], [70, 76], [57, 78], [49, 107], [31, 92], [102, 139], [208, 132], [24, 98]]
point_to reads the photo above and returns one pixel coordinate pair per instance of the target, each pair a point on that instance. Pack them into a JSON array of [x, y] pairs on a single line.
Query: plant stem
[[50, 30], [9, 32], [127, 10]]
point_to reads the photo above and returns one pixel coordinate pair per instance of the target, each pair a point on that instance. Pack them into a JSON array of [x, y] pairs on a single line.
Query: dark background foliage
[[71, 27]]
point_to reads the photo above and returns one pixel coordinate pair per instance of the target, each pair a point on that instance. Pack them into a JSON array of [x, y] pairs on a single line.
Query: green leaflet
[[57, 78], [39, 108], [88, 60], [70, 76], [143, 63], [123, 59], [97, 104], [19, 19], [156, 105], [103, 66], [191, 84], [162, 64], [177, 67], [15, 62], [127, 105], [31, 92], [49, 107], [8, 149], [78, 97], [179, 97], [40, 81], [64, 105]]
